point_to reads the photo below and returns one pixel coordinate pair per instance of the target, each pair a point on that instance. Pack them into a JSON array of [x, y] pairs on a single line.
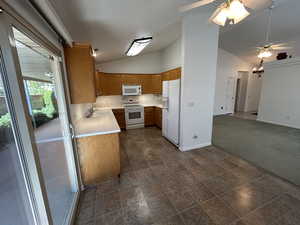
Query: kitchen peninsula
[[97, 138]]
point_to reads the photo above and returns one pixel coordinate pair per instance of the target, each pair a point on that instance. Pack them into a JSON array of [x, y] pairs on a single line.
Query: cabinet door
[[81, 73], [165, 76], [156, 84], [120, 117], [146, 82], [158, 117], [111, 84], [149, 116], [173, 74], [99, 157], [130, 79], [97, 83]]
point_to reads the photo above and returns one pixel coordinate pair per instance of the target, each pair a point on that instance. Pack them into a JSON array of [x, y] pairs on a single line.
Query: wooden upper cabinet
[[130, 79], [146, 82], [81, 73], [97, 83], [111, 84], [156, 84], [173, 74]]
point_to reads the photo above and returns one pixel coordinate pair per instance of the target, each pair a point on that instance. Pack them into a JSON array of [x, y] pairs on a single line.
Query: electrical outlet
[[222, 107]]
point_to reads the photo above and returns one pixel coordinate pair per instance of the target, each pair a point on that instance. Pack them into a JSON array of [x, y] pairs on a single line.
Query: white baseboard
[[189, 148], [278, 123]]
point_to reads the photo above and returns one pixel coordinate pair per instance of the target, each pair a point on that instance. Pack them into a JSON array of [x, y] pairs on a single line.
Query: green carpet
[[272, 147]]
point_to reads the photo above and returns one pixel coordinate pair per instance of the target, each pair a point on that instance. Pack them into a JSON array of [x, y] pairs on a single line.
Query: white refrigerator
[[170, 115]]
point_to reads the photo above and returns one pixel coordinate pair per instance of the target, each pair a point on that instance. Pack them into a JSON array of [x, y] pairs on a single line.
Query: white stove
[[134, 115]]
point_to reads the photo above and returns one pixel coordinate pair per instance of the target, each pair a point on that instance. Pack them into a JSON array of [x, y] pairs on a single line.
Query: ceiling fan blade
[[282, 48], [195, 5], [280, 45]]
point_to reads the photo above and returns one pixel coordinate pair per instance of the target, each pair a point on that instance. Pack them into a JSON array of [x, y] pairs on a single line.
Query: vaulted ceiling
[[111, 25]]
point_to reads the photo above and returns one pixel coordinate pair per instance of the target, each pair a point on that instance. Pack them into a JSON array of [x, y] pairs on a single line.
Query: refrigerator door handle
[[166, 103]]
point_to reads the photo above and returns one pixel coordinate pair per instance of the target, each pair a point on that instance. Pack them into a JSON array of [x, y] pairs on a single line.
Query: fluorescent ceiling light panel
[[138, 45]]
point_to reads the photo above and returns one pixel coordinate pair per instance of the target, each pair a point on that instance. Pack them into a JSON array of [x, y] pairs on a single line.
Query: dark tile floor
[[163, 186]]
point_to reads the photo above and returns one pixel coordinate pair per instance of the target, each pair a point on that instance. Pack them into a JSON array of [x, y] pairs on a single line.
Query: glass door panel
[[43, 90], [15, 207]]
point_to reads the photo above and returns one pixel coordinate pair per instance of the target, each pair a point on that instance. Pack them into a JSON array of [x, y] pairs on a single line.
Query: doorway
[[230, 95], [241, 91], [237, 96]]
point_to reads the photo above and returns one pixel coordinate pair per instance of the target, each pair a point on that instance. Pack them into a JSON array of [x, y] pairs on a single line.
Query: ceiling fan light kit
[[231, 12], [237, 11], [267, 50], [220, 16], [265, 53]]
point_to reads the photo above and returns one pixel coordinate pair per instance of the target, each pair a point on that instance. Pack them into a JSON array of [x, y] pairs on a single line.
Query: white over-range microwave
[[131, 90]]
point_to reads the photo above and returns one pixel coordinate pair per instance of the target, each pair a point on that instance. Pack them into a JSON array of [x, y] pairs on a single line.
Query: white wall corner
[[199, 52]]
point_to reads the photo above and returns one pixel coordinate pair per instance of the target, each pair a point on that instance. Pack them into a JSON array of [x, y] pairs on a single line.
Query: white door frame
[[230, 94], [23, 133]]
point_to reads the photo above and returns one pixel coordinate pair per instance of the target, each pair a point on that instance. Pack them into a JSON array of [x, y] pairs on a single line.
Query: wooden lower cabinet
[[149, 116], [158, 117], [99, 157], [120, 117], [153, 116]]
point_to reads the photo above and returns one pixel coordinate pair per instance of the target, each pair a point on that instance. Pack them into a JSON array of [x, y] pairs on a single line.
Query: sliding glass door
[[42, 88], [38, 93], [15, 206]]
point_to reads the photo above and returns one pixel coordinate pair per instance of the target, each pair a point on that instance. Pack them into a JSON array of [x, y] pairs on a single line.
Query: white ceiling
[[111, 25], [242, 38]]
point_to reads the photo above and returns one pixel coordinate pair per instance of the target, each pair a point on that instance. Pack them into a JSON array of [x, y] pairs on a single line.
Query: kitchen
[[93, 132], [109, 103]]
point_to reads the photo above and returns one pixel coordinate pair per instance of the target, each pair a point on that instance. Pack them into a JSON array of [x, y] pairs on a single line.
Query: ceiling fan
[[267, 49], [229, 12]]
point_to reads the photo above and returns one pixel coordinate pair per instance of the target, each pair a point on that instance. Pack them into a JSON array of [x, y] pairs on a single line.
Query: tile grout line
[[263, 205]]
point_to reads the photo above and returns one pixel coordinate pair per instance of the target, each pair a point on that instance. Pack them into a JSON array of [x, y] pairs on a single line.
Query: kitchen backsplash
[[117, 100], [79, 111]]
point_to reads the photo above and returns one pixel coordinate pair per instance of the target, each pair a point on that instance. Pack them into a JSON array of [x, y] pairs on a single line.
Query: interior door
[[230, 94]]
